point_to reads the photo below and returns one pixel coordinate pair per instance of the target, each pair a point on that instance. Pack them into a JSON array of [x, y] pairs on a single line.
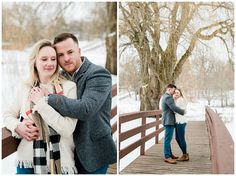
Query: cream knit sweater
[[182, 103], [63, 125]]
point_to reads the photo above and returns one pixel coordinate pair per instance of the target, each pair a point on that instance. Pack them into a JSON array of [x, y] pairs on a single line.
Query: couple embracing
[[173, 118], [62, 118]]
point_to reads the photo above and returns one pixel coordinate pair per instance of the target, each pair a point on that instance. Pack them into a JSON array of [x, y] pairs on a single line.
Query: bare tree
[[165, 35], [25, 23], [129, 75], [207, 76], [223, 80], [103, 25], [111, 38], [96, 25], [188, 81]]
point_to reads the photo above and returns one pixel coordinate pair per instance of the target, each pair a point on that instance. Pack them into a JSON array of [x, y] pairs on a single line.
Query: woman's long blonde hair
[[34, 77]]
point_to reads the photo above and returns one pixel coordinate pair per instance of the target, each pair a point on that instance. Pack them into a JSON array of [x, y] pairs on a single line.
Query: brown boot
[[170, 161], [184, 157], [174, 157]]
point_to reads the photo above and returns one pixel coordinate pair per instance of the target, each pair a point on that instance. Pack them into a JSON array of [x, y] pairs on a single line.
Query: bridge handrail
[[143, 115], [114, 109], [10, 144], [221, 144]]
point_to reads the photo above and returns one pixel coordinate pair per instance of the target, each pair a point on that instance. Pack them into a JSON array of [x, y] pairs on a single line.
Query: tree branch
[[223, 28]]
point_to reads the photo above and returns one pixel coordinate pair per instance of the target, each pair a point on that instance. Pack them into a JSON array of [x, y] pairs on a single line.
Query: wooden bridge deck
[[112, 169], [199, 153]]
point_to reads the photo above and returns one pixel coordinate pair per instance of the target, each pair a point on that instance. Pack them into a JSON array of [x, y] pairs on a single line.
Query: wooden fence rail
[[114, 109], [123, 118], [221, 144], [10, 144]]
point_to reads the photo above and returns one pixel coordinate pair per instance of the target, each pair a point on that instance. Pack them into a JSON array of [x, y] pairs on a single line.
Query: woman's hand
[[27, 130], [35, 94]]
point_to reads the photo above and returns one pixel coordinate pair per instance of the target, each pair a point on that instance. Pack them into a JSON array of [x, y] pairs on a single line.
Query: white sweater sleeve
[[12, 112], [182, 103], [63, 125]]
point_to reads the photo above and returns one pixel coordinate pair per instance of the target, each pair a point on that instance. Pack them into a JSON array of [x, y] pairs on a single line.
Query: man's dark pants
[[169, 131]]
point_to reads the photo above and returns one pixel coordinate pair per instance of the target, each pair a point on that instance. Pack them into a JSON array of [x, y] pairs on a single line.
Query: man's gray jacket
[[93, 135], [168, 110]]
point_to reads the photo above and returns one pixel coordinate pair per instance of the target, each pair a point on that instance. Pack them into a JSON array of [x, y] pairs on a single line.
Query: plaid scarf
[[48, 138]]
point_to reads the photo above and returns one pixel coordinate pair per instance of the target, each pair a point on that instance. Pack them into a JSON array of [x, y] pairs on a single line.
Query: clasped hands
[[27, 128]]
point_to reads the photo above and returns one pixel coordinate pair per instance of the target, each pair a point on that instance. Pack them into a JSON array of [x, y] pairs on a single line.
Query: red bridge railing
[[221, 144], [124, 118], [10, 144]]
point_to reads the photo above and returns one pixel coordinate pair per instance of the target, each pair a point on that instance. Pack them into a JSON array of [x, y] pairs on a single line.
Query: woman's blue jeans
[[180, 136], [22, 170], [169, 131]]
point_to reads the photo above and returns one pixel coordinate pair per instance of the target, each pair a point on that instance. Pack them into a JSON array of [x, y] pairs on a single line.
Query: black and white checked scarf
[[49, 138], [40, 150]]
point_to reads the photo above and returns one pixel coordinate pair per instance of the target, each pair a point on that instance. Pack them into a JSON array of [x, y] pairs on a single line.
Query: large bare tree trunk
[[152, 90], [149, 97], [111, 38]]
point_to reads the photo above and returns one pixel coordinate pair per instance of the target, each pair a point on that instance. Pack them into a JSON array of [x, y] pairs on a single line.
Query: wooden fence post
[[143, 133], [157, 128]]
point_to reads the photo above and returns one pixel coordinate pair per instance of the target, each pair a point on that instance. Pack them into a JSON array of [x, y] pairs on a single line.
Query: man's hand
[[27, 130]]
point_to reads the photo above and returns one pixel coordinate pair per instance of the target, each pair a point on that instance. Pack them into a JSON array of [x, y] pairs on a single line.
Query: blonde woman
[[181, 122], [30, 117]]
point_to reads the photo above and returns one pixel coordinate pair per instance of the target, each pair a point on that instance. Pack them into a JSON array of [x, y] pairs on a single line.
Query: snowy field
[[195, 112], [15, 69]]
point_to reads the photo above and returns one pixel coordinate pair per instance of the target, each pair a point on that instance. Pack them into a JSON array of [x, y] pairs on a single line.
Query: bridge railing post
[[157, 128], [119, 132], [144, 125], [143, 133]]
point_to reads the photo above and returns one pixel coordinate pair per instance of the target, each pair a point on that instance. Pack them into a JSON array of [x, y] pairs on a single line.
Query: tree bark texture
[[111, 38]]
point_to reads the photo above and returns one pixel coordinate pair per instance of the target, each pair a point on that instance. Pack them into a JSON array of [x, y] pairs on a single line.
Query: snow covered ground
[[15, 68], [195, 112]]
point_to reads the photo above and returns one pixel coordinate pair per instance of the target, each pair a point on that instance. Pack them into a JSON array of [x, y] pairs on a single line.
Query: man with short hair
[[94, 145], [168, 120]]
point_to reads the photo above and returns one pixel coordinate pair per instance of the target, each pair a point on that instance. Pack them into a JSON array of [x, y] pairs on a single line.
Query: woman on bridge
[[181, 122]]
